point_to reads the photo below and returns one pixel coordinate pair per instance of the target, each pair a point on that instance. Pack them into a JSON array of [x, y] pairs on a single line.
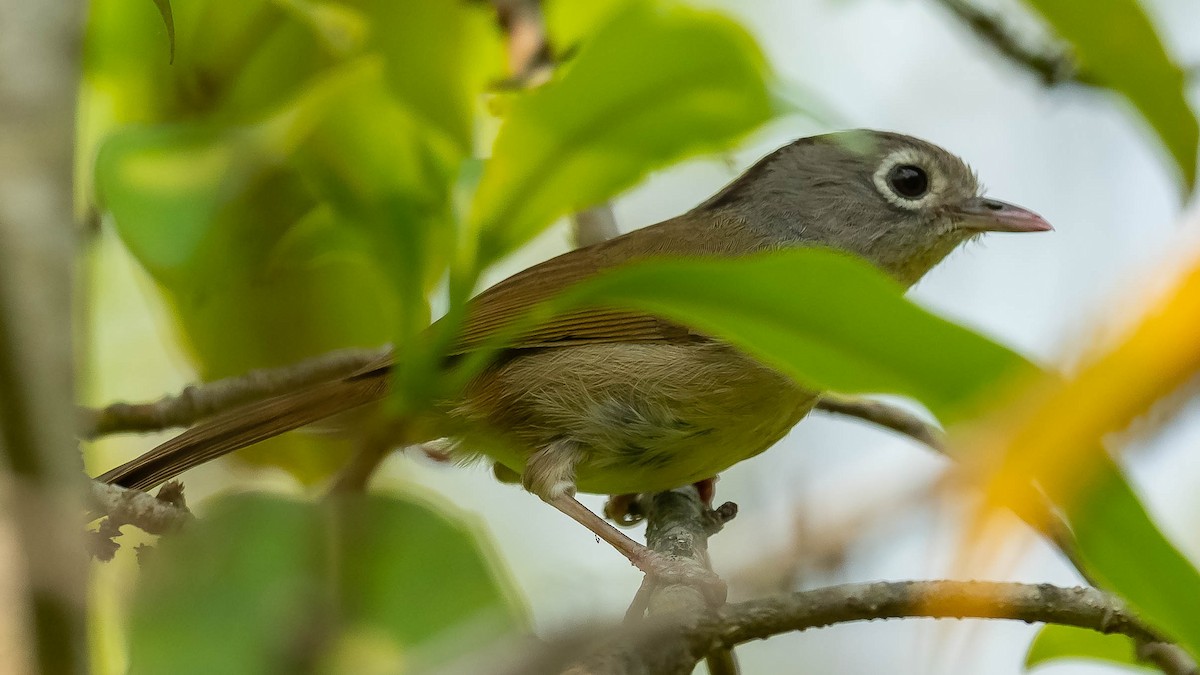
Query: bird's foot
[[624, 510], [663, 571]]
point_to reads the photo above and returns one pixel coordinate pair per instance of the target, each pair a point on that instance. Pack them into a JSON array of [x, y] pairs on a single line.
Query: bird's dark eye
[[910, 182]]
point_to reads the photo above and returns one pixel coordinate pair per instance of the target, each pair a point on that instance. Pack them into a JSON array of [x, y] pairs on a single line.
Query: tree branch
[[889, 416], [200, 401], [167, 512], [1052, 63]]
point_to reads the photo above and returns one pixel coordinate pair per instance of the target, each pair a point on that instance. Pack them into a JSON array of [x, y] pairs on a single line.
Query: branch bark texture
[[675, 649]]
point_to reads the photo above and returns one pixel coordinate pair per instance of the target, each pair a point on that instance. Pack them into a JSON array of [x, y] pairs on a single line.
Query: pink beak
[[992, 215]]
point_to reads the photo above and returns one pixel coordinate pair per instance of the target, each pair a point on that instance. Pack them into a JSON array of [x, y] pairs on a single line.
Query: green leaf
[[165, 185], [1139, 563], [569, 22], [837, 323], [395, 572], [826, 319], [656, 84], [231, 593], [1118, 47], [438, 58], [1055, 643], [164, 9], [264, 584]]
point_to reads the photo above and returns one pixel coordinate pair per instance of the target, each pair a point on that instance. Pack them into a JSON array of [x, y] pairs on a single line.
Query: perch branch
[[678, 525]]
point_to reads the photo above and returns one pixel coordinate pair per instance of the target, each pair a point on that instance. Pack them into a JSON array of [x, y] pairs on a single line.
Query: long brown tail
[[246, 426]]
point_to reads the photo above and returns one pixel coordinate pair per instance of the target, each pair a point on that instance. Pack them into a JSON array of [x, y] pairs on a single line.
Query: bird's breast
[[646, 416]]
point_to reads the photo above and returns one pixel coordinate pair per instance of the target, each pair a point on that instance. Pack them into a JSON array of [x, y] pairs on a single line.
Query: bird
[[612, 401]]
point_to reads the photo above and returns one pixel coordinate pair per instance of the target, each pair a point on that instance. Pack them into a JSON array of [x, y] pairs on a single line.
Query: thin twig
[[892, 417], [201, 401], [162, 514], [1052, 63]]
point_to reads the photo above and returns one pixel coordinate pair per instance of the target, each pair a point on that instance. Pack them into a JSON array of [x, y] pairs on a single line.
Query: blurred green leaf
[[570, 22], [655, 84], [164, 9], [1119, 48], [414, 571], [836, 322], [1152, 575], [1055, 643], [438, 57], [263, 584], [238, 592], [165, 185]]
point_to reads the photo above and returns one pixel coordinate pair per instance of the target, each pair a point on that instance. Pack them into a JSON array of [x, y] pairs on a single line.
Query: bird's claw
[[662, 571]]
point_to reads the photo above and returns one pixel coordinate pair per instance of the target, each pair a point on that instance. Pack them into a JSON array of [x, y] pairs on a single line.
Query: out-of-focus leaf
[[569, 22], [1055, 643], [164, 8], [657, 83], [415, 572], [263, 584], [1159, 583], [1119, 48], [232, 594], [837, 323], [438, 57], [1054, 432], [165, 185]]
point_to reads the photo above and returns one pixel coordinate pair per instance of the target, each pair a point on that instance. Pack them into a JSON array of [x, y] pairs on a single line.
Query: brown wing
[[493, 309]]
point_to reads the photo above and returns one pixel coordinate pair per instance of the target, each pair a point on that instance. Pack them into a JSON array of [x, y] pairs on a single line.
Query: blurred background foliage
[[294, 177]]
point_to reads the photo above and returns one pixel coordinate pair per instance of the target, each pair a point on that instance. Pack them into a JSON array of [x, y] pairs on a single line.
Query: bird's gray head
[[898, 201]]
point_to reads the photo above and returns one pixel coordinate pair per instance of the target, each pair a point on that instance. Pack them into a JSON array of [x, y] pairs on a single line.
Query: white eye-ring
[[904, 179]]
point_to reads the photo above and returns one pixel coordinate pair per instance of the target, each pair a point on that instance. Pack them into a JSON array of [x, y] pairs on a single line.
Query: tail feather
[[246, 426]]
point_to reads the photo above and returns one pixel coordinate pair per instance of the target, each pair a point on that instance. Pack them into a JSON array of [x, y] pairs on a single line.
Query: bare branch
[[1052, 63], [197, 402], [676, 650], [166, 512], [161, 514], [889, 416], [1043, 603], [1169, 658]]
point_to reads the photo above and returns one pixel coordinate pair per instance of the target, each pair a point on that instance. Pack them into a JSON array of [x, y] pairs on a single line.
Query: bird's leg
[[550, 474]]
